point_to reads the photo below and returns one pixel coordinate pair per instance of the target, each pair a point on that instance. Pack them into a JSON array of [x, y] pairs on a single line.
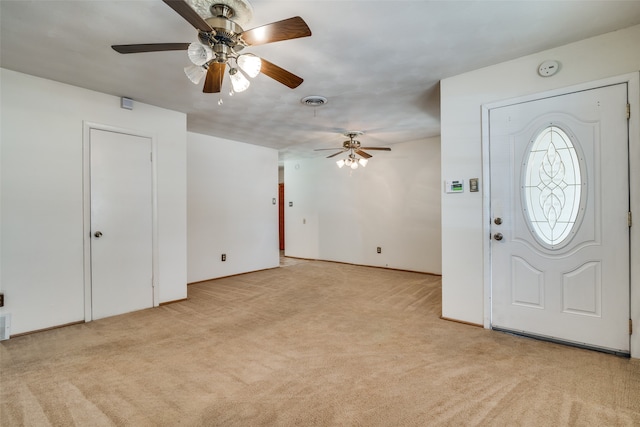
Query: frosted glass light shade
[[195, 73], [363, 162], [354, 165], [250, 64], [340, 163], [199, 54], [238, 80]]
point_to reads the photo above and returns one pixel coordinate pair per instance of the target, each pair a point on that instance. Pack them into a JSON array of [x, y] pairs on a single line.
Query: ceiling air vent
[[314, 100]]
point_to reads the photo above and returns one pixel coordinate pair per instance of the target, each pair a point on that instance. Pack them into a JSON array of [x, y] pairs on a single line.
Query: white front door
[[121, 223], [559, 213]]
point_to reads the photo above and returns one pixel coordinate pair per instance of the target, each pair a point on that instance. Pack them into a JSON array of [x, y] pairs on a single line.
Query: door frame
[[633, 94], [86, 208], [281, 216]]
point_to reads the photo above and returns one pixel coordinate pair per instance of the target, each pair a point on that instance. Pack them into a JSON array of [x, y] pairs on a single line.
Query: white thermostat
[[548, 68], [456, 186]]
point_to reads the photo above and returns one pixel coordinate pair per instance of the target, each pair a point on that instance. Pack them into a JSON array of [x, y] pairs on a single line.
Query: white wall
[[343, 215], [42, 195], [462, 96], [231, 187]]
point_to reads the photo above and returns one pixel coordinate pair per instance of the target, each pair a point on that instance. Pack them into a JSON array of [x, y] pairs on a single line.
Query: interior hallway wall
[[231, 191], [42, 265]]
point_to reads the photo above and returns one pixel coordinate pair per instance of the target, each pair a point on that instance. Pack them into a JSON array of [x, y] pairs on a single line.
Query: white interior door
[[121, 223], [559, 212]]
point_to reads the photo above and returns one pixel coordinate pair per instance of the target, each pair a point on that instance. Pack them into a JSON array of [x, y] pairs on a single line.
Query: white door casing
[[576, 290], [120, 205]]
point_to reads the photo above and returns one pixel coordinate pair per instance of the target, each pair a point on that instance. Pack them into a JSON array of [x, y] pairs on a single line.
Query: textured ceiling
[[377, 62]]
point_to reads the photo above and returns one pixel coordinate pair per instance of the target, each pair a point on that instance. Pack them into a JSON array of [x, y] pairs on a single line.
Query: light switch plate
[[473, 185]]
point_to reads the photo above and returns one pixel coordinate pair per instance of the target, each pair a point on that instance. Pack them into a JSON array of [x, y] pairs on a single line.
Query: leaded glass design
[[552, 186]]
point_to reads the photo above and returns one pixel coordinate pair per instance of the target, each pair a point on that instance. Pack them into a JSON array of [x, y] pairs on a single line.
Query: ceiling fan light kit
[[195, 73], [199, 54], [238, 80], [352, 161], [250, 64], [220, 39]]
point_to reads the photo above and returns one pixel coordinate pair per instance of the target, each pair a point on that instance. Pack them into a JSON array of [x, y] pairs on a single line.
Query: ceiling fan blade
[[363, 154], [213, 81], [280, 74], [335, 154], [189, 14], [376, 148], [149, 47], [286, 29]]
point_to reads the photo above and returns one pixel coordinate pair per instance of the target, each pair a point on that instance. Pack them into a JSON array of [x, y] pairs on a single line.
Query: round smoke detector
[[548, 68], [314, 101]]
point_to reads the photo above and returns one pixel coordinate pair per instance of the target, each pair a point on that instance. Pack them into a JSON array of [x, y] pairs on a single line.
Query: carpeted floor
[[308, 344]]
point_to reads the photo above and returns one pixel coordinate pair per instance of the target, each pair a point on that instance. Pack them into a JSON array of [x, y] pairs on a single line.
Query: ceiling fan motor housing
[[351, 144], [226, 32]]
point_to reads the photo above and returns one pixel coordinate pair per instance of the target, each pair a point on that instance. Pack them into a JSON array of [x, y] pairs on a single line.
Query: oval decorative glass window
[[552, 186]]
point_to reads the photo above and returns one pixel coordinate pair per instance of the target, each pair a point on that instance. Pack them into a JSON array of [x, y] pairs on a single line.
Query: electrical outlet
[[379, 250], [224, 257]]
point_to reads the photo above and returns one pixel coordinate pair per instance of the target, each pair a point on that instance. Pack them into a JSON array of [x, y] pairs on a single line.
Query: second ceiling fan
[[353, 148], [221, 39]]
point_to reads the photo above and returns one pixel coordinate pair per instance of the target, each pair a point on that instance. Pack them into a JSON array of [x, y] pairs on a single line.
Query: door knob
[[498, 236], [98, 234], [497, 221]]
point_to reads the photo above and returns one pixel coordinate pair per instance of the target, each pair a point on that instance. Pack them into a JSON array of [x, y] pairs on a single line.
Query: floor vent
[[5, 326]]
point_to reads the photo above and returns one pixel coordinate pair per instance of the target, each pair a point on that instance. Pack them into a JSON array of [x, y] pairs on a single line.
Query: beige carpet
[[308, 344]]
